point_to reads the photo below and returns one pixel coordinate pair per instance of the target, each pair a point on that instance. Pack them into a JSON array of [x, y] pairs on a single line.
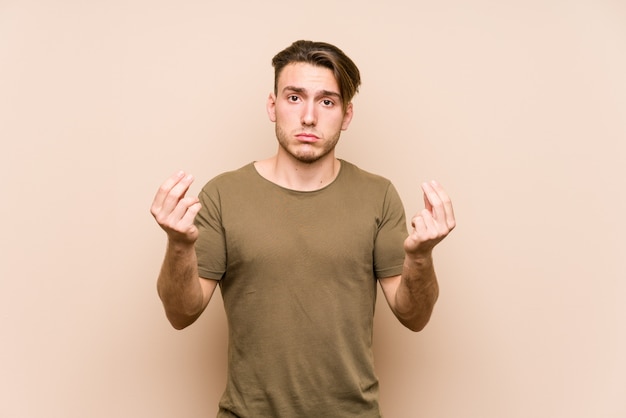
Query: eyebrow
[[321, 93]]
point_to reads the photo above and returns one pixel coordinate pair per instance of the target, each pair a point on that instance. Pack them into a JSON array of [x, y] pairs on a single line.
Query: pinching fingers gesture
[[433, 223], [175, 212]]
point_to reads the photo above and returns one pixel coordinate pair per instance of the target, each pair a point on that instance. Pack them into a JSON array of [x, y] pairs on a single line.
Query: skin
[[309, 116]]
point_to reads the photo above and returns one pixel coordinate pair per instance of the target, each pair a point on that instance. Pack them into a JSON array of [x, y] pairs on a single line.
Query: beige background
[[518, 107]]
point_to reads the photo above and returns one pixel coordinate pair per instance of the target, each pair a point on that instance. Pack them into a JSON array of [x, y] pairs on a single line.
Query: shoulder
[[234, 177], [240, 182], [367, 185], [356, 175]]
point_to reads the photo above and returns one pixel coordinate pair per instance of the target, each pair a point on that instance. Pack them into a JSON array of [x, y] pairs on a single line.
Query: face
[[308, 112]]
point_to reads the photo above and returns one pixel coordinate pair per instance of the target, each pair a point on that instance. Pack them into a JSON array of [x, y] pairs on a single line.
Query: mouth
[[307, 137]]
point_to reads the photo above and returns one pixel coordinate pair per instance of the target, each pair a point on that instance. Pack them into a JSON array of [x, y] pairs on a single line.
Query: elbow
[[180, 313], [178, 326], [415, 326], [180, 322], [180, 317], [416, 322]]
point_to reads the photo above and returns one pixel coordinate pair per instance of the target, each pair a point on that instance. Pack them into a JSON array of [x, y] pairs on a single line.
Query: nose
[[309, 115]]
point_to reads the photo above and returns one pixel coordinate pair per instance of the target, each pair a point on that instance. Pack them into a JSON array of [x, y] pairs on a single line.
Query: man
[[297, 243]]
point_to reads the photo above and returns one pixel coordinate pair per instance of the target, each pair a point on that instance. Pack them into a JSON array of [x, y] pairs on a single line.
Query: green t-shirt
[[298, 274]]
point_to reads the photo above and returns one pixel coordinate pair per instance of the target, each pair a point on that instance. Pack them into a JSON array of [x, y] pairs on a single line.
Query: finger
[[431, 225], [447, 204], [435, 205], [424, 235], [179, 216], [164, 190], [176, 193], [191, 213], [427, 204], [180, 224], [419, 228], [424, 225]]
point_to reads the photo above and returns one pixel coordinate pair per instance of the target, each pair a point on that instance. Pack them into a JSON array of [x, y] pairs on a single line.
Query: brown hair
[[323, 55]]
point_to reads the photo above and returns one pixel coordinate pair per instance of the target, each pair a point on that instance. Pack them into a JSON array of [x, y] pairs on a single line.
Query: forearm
[[417, 292], [178, 285]]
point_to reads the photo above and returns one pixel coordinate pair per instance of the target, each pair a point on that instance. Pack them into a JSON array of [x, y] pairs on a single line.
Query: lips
[[307, 137]]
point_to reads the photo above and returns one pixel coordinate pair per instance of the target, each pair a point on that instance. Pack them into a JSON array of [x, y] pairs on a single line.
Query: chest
[[305, 230]]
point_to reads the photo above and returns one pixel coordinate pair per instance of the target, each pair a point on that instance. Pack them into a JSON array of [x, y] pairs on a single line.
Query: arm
[[183, 293], [412, 295]]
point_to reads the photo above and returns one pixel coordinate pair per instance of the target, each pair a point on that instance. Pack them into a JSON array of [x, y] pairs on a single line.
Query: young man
[[297, 243]]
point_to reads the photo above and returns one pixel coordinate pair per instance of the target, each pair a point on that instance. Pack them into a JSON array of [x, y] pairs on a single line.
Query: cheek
[[282, 114]]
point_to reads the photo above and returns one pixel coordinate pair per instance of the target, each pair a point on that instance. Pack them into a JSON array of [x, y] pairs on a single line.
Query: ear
[[271, 107], [347, 117]]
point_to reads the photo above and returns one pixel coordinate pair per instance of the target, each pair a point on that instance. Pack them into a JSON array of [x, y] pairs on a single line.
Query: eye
[[293, 98], [327, 102]]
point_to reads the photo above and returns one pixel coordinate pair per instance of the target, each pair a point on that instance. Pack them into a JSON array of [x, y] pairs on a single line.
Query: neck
[[296, 175]]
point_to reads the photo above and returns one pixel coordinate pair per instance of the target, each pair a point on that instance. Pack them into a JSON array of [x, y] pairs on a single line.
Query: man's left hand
[[432, 224]]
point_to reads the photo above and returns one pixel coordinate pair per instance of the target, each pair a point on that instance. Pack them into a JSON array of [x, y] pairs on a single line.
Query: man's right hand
[[174, 212]]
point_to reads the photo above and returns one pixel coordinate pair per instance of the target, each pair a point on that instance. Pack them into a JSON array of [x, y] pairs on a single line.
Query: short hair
[[323, 55]]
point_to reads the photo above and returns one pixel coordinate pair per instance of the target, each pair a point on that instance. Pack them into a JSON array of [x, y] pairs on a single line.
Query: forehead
[[307, 76]]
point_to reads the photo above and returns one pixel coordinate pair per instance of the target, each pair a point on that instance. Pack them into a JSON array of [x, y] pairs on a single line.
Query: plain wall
[[517, 107]]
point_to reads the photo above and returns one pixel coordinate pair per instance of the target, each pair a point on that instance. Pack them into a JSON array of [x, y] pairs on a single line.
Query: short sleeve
[[210, 246], [392, 231]]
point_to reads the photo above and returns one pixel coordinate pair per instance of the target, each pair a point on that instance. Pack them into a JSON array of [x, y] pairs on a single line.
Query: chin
[[303, 156], [307, 159]]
